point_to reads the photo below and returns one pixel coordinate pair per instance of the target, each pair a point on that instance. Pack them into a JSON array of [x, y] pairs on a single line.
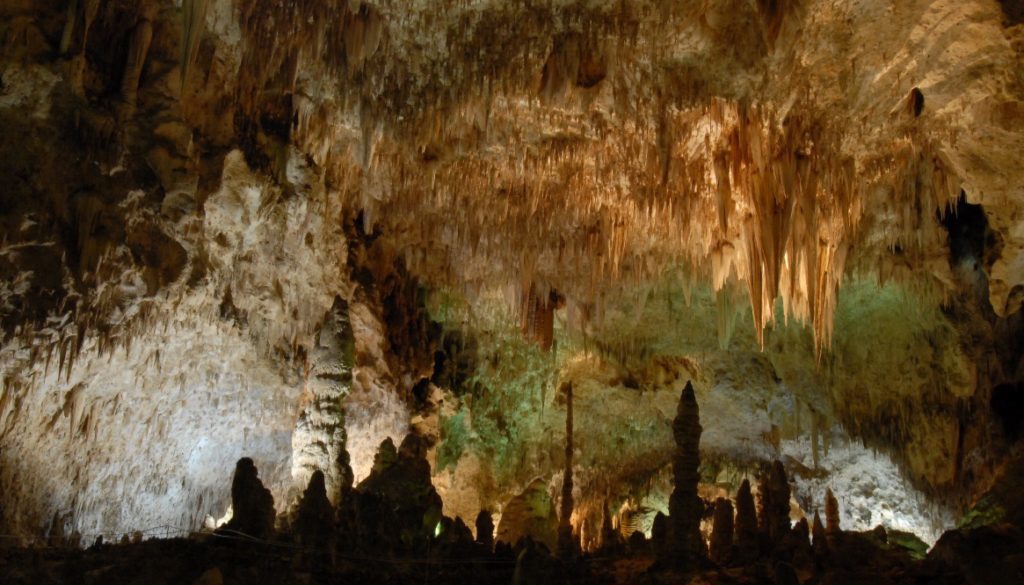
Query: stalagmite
[[819, 543], [746, 523], [567, 544], [314, 520], [610, 537], [660, 535], [831, 512], [253, 505], [722, 529], [775, 504], [685, 505], [485, 530]]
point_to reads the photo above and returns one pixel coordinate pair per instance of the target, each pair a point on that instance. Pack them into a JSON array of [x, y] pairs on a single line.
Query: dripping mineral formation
[[511, 291]]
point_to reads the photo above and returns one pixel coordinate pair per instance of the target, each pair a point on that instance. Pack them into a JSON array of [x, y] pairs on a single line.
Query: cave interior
[[512, 291]]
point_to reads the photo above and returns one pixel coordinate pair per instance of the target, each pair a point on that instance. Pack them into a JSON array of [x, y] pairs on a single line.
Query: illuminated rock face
[[215, 238]]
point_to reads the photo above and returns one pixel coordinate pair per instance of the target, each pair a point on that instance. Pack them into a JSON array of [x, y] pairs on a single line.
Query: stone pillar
[[685, 506], [319, 440]]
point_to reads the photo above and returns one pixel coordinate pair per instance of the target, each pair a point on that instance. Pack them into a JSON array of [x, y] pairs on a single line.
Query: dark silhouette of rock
[[485, 530], [453, 539], [314, 520], [798, 545], [722, 532], [637, 542], [820, 542], [252, 504], [746, 524], [534, 564], [659, 535], [685, 506], [785, 574], [396, 506], [775, 504], [990, 555], [611, 540]]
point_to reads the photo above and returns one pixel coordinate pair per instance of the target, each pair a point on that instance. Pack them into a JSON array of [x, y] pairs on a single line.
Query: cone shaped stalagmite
[[685, 506], [314, 520], [485, 530], [775, 502], [746, 523], [818, 536], [253, 504], [722, 531], [831, 512]]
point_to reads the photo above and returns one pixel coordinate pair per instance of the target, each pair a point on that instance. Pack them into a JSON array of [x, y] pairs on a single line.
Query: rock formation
[[720, 549], [248, 229], [252, 504], [685, 506], [774, 496], [314, 525], [831, 512], [485, 530], [746, 523], [818, 537], [397, 507]]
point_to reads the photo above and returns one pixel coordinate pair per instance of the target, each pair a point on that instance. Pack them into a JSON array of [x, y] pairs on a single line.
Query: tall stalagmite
[[746, 523], [685, 506], [775, 504], [722, 531], [566, 543], [819, 543], [831, 512], [253, 504]]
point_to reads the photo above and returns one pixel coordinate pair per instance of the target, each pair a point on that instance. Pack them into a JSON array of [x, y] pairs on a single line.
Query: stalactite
[[138, 48], [685, 506], [193, 23]]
